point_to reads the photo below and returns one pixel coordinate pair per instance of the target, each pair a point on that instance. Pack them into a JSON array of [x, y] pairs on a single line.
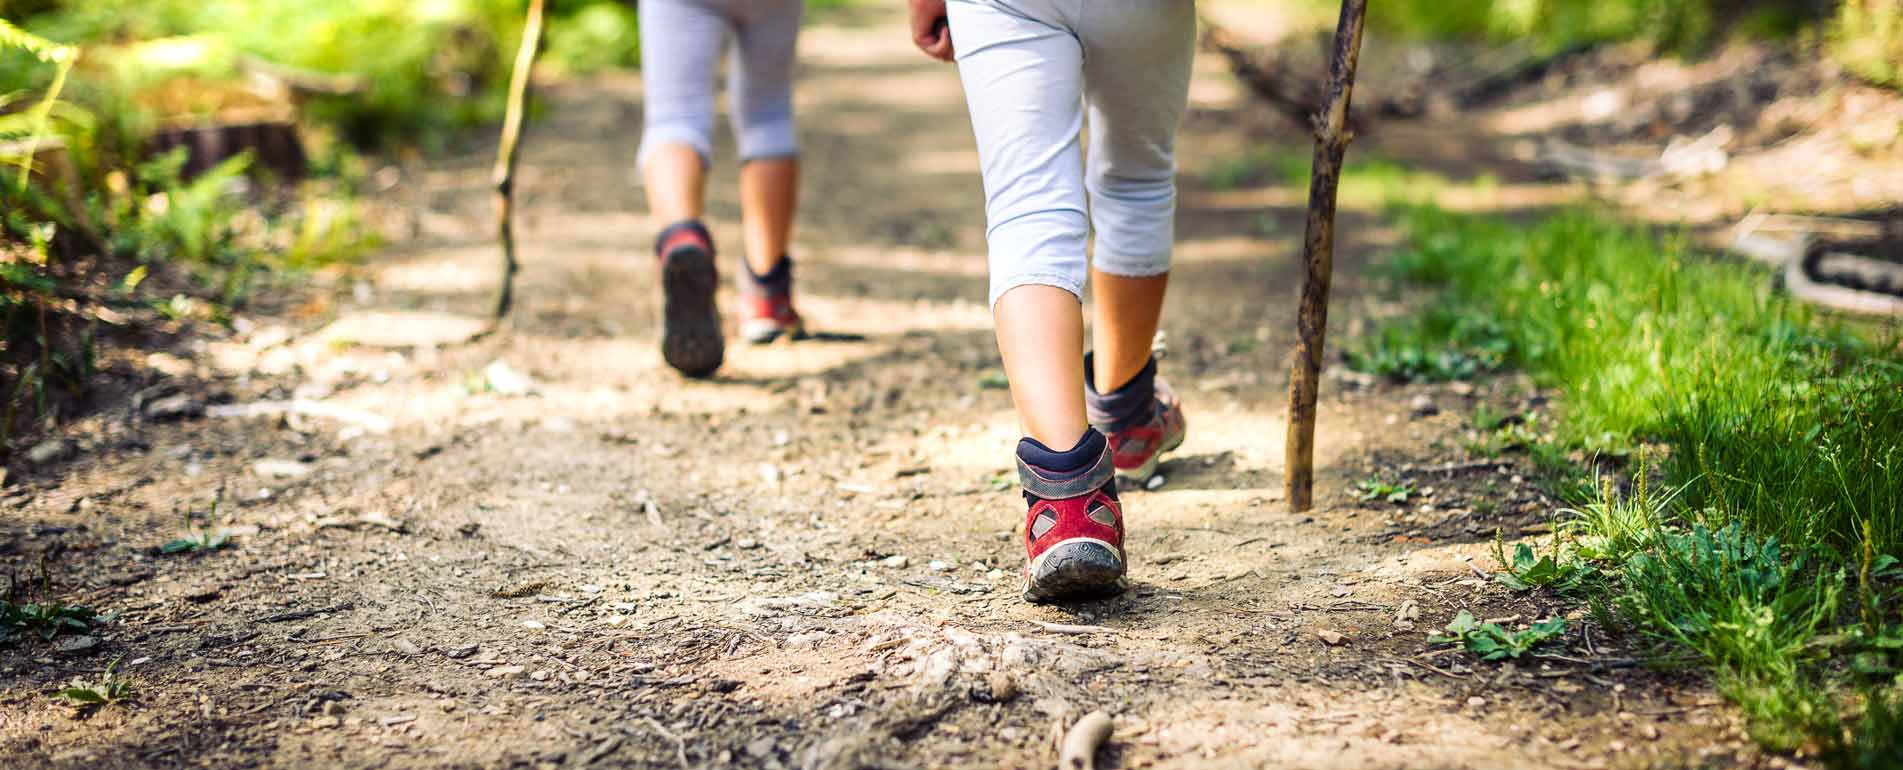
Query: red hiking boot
[[691, 339], [1073, 530], [1139, 447], [766, 305]]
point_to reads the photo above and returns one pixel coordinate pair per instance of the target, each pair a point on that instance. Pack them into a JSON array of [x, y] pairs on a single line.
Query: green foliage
[[1867, 36], [1554, 25], [1374, 488], [1783, 451], [45, 621], [1778, 420], [109, 689], [200, 541], [1525, 570], [1491, 641], [598, 36], [1438, 345]]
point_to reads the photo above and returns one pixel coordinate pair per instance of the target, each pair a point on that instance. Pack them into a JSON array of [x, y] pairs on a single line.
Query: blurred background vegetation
[[1863, 36], [160, 160]]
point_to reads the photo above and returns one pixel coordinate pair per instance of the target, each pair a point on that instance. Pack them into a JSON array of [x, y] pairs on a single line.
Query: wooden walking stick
[[504, 174], [1318, 253]]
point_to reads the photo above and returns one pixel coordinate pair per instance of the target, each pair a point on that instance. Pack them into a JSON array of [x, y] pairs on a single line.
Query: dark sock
[[779, 280], [1071, 462], [691, 225], [1127, 405]]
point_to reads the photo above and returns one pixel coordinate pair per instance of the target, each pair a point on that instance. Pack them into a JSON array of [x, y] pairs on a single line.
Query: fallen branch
[[511, 144], [1081, 743]]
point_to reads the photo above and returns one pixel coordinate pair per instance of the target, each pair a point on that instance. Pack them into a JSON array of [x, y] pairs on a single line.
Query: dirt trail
[[808, 561]]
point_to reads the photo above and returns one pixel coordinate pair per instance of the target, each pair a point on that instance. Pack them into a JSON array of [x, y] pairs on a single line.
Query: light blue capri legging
[[1031, 70], [680, 48]]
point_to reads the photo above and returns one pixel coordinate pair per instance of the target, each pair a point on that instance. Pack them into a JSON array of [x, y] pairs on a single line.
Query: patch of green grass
[[1438, 345], [1491, 641], [1556, 25], [1375, 488], [1779, 435]]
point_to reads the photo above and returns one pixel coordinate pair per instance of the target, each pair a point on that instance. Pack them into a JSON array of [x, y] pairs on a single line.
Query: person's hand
[[929, 31]]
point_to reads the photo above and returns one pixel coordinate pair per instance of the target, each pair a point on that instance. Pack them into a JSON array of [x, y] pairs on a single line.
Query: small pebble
[[939, 566], [1156, 482], [533, 624], [895, 561]]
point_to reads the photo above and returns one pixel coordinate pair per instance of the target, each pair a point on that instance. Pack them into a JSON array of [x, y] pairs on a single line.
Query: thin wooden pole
[[504, 174], [1318, 252]]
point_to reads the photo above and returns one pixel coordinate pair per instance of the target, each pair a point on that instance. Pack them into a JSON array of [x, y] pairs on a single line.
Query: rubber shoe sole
[[1075, 570], [691, 339]]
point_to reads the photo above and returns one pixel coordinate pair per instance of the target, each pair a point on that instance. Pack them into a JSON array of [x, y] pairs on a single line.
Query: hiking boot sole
[[691, 339], [1076, 569]]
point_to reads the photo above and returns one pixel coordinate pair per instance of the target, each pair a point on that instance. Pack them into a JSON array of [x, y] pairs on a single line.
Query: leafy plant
[[109, 689], [46, 621], [1374, 488], [1490, 641], [1526, 570], [199, 541]]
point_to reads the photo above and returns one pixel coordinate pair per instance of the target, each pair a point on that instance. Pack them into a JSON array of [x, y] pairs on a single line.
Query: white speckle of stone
[[770, 473], [539, 676], [939, 566], [590, 588], [781, 438], [996, 574], [895, 561], [746, 544], [1476, 701], [616, 620], [534, 625], [1156, 482]]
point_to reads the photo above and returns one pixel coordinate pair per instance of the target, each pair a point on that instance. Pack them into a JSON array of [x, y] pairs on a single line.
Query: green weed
[[1557, 569], [45, 621], [1374, 488], [1490, 641], [109, 689], [196, 542]]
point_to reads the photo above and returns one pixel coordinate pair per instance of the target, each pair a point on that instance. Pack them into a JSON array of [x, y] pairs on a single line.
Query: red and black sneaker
[[1139, 447], [766, 305], [1073, 531], [691, 339]]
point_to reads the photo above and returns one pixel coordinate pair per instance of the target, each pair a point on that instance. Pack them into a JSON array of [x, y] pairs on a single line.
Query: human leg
[[1137, 56], [679, 46]]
